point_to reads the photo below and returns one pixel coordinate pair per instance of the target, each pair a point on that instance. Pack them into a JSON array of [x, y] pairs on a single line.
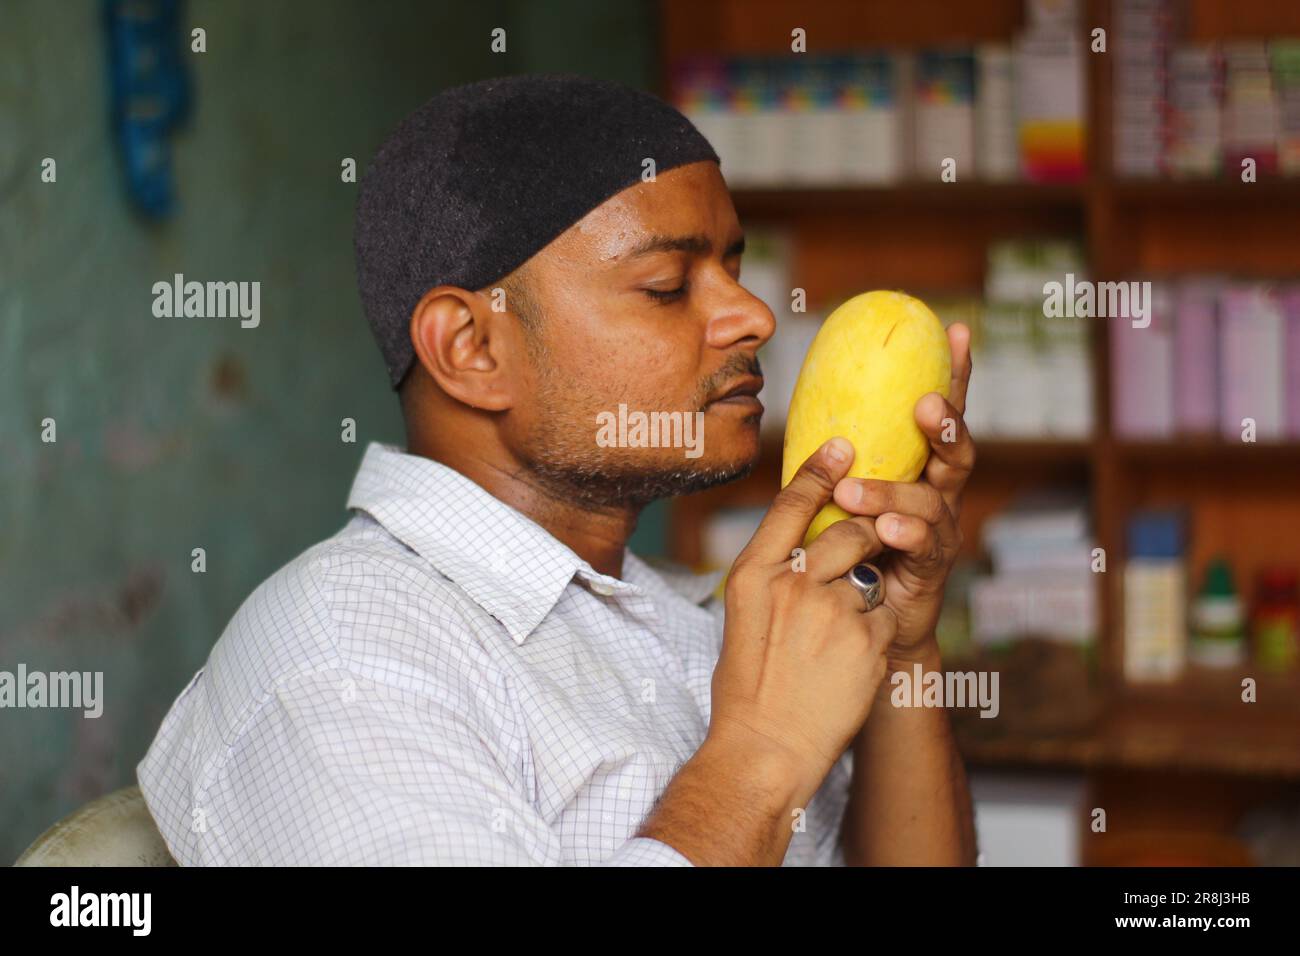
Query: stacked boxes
[[1200, 109], [1219, 357], [874, 117], [1042, 583], [1141, 39]]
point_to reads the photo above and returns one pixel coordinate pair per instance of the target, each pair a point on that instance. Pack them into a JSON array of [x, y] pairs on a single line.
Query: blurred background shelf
[[995, 453], [1188, 753], [928, 198], [1212, 454], [1197, 724], [932, 198], [1161, 192], [1153, 737]]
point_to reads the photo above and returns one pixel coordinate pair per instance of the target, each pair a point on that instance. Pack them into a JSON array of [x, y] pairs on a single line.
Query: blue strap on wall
[[150, 95]]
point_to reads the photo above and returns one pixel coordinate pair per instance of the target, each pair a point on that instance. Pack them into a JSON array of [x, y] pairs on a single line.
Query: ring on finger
[[869, 582]]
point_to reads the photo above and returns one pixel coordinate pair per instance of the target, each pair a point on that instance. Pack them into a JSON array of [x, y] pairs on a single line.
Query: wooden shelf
[[1154, 739], [1219, 690], [1201, 452], [763, 26], [997, 452], [1195, 725], [794, 200], [933, 237], [909, 196], [1206, 192]]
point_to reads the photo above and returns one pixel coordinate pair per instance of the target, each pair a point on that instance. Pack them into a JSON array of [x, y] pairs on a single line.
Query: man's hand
[[801, 658], [801, 665], [918, 520]]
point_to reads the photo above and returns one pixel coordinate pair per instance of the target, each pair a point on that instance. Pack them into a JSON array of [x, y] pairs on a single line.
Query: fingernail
[[852, 492], [895, 526], [837, 449]]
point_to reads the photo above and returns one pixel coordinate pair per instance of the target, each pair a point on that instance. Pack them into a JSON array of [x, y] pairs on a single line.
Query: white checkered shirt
[[444, 682]]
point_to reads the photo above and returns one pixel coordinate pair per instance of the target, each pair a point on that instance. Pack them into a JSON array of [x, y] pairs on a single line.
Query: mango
[[870, 362]]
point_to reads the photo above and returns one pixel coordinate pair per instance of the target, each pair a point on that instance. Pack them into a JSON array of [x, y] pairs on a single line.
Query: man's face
[[640, 304]]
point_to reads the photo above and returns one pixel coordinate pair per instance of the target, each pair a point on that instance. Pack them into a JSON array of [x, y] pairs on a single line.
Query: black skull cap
[[483, 176]]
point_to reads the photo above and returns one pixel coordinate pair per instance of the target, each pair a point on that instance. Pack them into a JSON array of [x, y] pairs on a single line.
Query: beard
[[565, 460], [607, 484]]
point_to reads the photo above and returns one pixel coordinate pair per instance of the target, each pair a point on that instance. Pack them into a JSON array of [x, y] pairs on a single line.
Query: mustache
[[737, 366]]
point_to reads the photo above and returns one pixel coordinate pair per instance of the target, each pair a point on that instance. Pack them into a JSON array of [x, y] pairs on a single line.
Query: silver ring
[[869, 582]]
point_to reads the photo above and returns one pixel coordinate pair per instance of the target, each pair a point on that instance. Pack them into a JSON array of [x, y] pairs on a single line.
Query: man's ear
[[465, 347]]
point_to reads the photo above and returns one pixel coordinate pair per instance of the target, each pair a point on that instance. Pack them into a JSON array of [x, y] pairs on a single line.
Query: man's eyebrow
[[694, 244]]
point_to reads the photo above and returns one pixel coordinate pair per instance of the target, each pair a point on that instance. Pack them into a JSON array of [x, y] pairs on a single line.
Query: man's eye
[[670, 295]]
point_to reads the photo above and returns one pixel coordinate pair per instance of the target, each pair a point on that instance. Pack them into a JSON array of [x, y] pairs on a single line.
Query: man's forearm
[[908, 801], [731, 805]]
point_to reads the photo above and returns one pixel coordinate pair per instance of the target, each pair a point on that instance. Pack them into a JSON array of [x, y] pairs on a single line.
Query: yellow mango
[[870, 362]]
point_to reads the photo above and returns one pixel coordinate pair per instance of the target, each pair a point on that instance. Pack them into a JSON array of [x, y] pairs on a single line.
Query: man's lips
[[743, 393]]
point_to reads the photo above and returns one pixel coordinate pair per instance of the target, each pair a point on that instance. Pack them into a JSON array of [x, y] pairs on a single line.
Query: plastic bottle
[[1155, 597], [1218, 620], [1275, 623]]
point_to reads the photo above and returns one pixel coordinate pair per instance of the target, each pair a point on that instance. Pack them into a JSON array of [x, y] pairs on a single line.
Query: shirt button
[[601, 588], [499, 562]]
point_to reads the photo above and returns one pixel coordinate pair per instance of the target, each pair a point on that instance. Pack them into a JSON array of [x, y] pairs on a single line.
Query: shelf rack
[[1244, 500]]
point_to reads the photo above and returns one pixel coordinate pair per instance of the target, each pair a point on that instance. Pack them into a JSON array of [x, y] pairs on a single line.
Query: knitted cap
[[483, 176]]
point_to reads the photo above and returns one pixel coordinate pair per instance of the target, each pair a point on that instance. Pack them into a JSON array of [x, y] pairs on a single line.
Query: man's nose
[[745, 320]]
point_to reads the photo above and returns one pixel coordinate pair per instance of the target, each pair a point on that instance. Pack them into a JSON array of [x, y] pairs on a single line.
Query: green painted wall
[[174, 434]]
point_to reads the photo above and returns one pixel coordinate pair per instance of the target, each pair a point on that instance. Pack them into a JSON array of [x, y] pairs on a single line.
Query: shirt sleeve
[[335, 769], [643, 851], [338, 770]]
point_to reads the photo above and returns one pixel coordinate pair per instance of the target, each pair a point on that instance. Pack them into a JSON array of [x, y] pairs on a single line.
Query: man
[[475, 669]]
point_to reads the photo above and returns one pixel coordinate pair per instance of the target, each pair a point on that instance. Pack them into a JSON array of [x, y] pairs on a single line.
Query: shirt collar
[[661, 574], [511, 566]]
